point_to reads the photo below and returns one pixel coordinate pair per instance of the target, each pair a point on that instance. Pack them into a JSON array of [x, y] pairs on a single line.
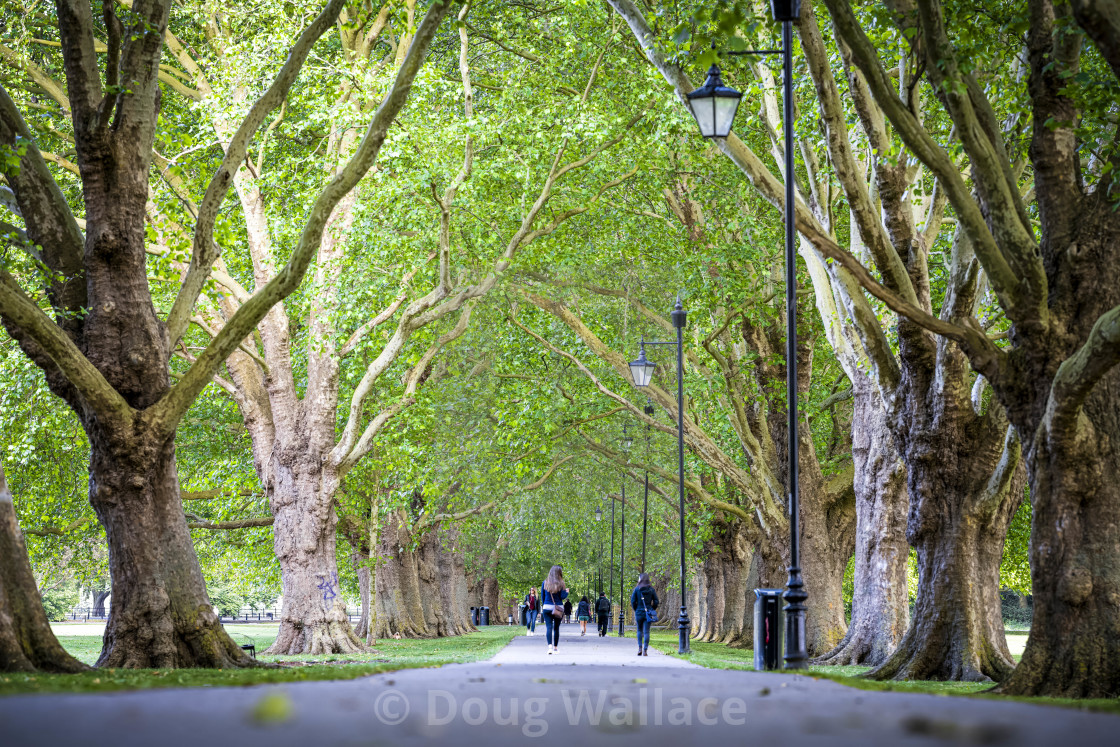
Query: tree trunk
[[98, 600], [727, 615], [313, 617], [1074, 646], [361, 569], [399, 592], [421, 584], [453, 586], [957, 630], [491, 595], [161, 615], [430, 566], [965, 484], [880, 605], [828, 522], [827, 539], [27, 643]]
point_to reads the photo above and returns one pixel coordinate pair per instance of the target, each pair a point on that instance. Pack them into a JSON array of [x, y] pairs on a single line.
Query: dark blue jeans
[[551, 628], [531, 620], [643, 630]]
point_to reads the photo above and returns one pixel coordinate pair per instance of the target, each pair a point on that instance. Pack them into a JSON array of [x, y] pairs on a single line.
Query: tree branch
[[1005, 282], [690, 485], [1080, 372], [1101, 22], [863, 212], [171, 407], [50, 222], [255, 521], [204, 248], [97, 393]]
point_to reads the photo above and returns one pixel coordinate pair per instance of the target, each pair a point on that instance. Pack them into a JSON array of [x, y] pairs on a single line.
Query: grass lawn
[[720, 656], [387, 655]]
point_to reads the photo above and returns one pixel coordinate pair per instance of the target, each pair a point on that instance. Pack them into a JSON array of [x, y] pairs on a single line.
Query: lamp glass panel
[[725, 108], [704, 110]]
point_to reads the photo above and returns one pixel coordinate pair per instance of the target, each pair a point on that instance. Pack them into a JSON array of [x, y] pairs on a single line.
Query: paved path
[[594, 692]]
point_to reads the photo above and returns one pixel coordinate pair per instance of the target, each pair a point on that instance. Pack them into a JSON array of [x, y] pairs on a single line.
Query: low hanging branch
[[254, 521]]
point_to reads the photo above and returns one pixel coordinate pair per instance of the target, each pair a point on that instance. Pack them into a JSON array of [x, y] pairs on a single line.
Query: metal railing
[[245, 615]]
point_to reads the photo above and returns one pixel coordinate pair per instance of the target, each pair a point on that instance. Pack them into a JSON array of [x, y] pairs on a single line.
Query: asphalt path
[[594, 691]]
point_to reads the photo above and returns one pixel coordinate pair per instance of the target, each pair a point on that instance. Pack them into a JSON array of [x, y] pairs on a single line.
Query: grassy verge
[[720, 656], [388, 655]]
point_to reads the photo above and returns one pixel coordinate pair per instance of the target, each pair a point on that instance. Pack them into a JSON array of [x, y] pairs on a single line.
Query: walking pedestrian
[[583, 614], [531, 606], [603, 613], [553, 593], [644, 602], [567, 610]]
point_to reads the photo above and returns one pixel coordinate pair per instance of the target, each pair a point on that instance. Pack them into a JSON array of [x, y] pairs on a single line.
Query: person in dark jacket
[[643, 600], [553, 593], [583, 614], [532, 605], [602, 613], [567, 610]]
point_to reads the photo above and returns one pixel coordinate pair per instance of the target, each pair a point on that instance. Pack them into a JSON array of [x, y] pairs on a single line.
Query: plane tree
[[107, 349]]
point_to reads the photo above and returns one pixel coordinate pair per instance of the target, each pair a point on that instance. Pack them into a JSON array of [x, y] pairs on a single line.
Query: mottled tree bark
[[453, 578], [880, 604], [1073, 458], [313, 616], [961, 475], [27, 643], [726, 611], [161, 615], [398, 592], [827, 539], [421, 589]]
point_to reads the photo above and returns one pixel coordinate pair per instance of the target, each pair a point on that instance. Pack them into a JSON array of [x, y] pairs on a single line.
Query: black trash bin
[[768, 629], [485, 615], [474, 616]]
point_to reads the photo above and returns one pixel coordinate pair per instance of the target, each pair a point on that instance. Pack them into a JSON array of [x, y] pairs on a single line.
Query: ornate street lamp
[[714, 105], [642, 371]]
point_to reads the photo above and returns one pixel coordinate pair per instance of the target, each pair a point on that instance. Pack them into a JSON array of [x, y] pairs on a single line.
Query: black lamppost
[[642, 371], [648, 410], [714, 105], [611, 595], [599, 517], [622, 567], [626, 440]]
